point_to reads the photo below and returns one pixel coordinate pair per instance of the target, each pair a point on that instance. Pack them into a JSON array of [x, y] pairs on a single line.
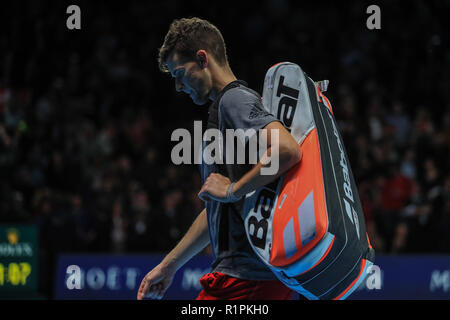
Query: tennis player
[[194, 53]]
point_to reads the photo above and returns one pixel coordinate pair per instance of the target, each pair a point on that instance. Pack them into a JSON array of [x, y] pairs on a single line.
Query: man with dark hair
[[194, 53]]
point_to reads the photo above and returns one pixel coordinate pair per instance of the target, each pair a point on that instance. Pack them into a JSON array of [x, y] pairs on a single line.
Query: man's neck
[[222, 78]]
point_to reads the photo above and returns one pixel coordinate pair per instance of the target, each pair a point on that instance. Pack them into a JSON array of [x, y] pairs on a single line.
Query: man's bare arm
[[158, 280], [195, 240], [287, 153], [283, 149]]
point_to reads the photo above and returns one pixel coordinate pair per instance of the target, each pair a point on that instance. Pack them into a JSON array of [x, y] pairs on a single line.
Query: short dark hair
[[188, 35]]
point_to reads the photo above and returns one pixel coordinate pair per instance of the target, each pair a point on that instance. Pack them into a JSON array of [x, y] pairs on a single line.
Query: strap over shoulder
[[213, 119]]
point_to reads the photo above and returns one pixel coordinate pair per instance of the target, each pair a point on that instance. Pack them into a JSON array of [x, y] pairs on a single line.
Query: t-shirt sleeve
[[241, 109]]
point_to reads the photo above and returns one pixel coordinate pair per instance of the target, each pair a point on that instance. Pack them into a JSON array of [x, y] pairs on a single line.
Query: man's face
[[190, 78]]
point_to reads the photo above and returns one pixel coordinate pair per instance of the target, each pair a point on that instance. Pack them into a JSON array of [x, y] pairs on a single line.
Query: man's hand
[[215, 187], [155, 283], [158, 280]]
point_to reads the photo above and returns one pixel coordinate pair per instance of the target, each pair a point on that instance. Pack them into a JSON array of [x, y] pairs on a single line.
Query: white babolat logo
[[351, 212], [260, 216]]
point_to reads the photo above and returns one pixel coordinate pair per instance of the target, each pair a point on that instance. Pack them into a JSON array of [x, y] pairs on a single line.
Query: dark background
[[86, 117]]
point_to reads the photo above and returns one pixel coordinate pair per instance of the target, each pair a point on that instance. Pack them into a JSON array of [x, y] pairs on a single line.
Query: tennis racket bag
[[308, 225]]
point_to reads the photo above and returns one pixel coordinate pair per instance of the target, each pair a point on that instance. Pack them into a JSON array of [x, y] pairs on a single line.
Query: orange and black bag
[[308, 225]]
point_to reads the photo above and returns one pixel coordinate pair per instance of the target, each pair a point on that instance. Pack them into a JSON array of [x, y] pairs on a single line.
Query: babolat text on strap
[[308, 225]]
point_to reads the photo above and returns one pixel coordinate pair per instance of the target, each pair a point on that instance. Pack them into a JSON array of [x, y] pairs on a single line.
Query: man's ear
[[202, 58]]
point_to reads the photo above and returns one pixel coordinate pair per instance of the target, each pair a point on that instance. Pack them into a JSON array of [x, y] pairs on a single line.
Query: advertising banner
[[18, 259], [407, 277], [119, 276]]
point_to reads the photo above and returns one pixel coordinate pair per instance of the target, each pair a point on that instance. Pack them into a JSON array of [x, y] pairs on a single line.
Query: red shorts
[[219, 286]]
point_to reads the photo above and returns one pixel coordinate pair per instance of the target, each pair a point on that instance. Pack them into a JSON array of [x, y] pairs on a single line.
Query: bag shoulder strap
[[213, 118]]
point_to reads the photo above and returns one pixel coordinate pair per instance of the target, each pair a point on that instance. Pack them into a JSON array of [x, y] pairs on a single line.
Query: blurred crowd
[[86, 117]]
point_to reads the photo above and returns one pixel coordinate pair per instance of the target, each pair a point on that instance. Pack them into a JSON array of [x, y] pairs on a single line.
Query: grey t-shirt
[[239, 108]]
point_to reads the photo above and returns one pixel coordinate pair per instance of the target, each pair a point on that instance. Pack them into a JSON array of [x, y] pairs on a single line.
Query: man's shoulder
[[239, 95]]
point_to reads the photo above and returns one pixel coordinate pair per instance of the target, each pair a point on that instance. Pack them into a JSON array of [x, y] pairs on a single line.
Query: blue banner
[[407, 277], [119, 276]]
